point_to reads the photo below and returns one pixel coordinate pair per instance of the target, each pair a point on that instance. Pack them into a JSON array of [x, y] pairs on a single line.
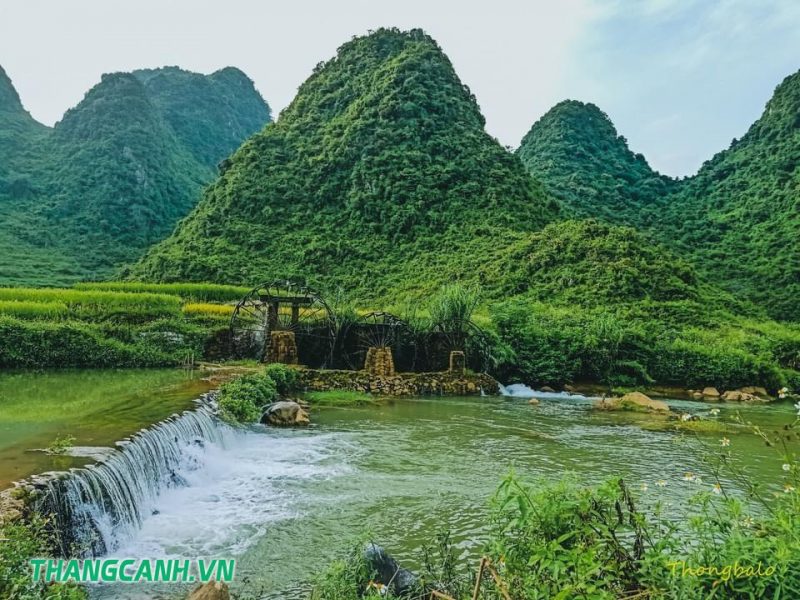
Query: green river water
[[285, 503]]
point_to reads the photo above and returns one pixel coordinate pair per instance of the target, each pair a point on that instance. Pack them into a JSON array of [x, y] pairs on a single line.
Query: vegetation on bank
[[242, 400], [340, 398], [19, 542], [566, 540], [53, 327]]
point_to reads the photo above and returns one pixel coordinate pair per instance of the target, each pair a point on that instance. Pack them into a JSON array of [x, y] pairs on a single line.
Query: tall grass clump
[[197, 292], [454, 305]]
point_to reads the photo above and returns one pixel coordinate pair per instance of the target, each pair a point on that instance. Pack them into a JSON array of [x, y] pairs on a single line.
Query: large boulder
[[285, 414], [213, 590], [639, 400], [755, 390], [635, 401], [740, 396], [386, 571], [710, 392]]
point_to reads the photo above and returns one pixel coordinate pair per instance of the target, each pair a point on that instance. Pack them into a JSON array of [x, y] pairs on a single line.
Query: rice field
[[195, 292]]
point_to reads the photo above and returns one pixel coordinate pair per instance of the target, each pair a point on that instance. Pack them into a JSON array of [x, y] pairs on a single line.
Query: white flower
[[689, 476], [714, 412], [661, 483], [788, 488], [787, 467], [747, 522], [644, 487], [717, 489], [685, 417], [724, 442]]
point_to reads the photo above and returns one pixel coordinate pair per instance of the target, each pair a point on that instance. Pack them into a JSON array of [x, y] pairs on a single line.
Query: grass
[[341, 398], [197, 292], [27, 309], [205, 309], [93, 303]]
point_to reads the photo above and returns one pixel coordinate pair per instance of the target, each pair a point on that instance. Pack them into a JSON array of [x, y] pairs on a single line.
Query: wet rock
[[754, 390], [213, 590], [533, 401], [738, 396], [635, 401], [710, 392], [569, 388], [285, 414], [386, 571], [547, 389]]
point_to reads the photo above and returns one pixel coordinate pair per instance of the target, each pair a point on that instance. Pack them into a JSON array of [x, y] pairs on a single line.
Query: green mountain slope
[[116, 173], [576, 152], [737, 220], [740, 215], [379, 177]]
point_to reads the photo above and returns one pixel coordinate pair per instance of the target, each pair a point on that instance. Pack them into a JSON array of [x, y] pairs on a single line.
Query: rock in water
[[384, 569], [213, 590], [635, 401], [285, 414], [711, 392]]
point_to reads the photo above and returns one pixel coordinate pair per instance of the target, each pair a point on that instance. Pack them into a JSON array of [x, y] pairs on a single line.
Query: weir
[[93, 509]]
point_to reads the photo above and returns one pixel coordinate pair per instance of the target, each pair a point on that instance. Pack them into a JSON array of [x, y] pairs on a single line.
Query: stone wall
[[400, 384]]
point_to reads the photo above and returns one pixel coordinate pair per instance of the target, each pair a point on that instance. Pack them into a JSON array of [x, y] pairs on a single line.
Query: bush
[[41, 344], [22, 541], [242, 399], [285, 378]]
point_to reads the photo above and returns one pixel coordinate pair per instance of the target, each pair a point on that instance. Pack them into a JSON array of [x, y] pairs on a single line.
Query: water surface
[[97, 407], [287, 502]]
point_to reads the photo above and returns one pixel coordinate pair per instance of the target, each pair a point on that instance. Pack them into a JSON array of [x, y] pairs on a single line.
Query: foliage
[[285, 377], [348, 579], [22, 541], [79, 200], [453, 305], [241, 400]]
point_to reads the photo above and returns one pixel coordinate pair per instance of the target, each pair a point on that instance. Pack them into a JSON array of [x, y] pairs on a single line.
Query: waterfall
[[95, 508]]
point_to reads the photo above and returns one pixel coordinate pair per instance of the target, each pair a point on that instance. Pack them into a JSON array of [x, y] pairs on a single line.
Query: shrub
[[285, 378], [22, 541], [242, 399]]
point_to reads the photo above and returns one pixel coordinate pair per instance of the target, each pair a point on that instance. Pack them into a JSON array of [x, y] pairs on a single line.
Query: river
[[285, 503]]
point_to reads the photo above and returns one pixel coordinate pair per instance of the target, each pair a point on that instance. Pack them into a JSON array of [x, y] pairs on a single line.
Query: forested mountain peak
[[210, 114], [575, 150], [379, 163], [119, 102], [117, 172]]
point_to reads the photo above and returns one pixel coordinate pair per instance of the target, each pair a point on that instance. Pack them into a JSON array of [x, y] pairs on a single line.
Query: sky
[[680, 79]]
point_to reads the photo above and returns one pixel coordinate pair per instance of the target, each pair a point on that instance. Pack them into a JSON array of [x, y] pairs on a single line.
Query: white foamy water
[[233, 493], [520, 390]]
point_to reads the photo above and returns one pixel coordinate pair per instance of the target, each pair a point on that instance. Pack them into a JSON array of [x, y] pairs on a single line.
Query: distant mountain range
[[737, 220], [81, 199]]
